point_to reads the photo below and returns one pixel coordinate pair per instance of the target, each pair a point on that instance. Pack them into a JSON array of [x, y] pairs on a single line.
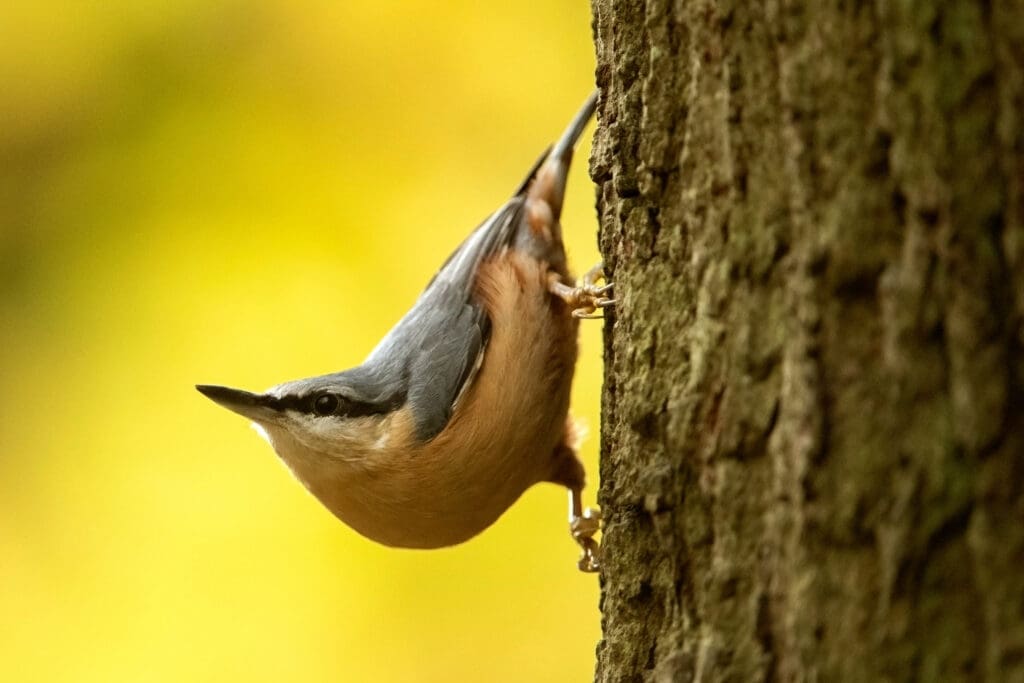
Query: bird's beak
[[257, 407]]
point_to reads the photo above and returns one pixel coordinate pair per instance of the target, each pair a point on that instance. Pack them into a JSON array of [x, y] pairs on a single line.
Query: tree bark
[[813, 423]]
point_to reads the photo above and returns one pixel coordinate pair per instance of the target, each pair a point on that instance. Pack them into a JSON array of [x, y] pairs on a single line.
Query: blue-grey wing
[[435, 349]]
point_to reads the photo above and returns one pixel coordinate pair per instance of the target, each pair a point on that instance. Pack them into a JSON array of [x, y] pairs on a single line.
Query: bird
[[464, 404]]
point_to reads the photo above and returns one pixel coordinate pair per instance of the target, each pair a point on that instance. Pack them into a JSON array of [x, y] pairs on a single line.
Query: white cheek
[[259, 429], [328, 431], [303, 437], [332, 437]]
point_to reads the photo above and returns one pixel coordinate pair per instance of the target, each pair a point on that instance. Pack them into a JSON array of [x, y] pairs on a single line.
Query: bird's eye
[[325, 404]]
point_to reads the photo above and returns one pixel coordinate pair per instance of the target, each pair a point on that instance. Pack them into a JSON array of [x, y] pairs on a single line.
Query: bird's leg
[[583, 524], [594, 275], [586, 298]]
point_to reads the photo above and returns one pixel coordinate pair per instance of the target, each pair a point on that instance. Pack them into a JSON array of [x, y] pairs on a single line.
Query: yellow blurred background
[[245, 193]]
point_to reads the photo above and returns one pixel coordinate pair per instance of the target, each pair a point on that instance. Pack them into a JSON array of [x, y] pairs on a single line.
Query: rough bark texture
[[813, 459]]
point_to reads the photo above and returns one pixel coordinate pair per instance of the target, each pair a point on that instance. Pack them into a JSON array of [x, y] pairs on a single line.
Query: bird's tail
[[566, 143], [549, 183]]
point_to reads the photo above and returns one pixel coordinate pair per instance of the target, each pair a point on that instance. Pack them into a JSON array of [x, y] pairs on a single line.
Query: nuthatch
[[464, 404]]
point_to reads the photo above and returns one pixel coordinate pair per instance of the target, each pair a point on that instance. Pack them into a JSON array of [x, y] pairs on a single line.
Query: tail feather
[[572, 133], [549, 183]]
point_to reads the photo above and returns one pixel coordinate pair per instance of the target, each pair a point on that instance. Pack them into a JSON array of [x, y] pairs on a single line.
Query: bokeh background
[[243, 193]]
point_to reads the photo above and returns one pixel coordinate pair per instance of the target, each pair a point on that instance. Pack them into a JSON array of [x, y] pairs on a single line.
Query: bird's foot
[[587, 298], [583, 527]]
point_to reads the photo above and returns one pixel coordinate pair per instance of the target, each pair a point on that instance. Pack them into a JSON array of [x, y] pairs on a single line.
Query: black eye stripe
[[345, 407]]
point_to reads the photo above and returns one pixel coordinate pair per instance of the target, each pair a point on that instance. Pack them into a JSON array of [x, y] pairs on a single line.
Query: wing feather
[[437, 347]]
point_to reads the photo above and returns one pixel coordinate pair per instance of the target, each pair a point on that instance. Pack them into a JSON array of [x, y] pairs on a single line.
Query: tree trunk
[[813, 429]]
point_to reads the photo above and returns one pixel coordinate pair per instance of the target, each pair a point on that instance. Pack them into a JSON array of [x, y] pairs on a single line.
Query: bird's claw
[[583, 527], [588, 309], [587, 298]]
